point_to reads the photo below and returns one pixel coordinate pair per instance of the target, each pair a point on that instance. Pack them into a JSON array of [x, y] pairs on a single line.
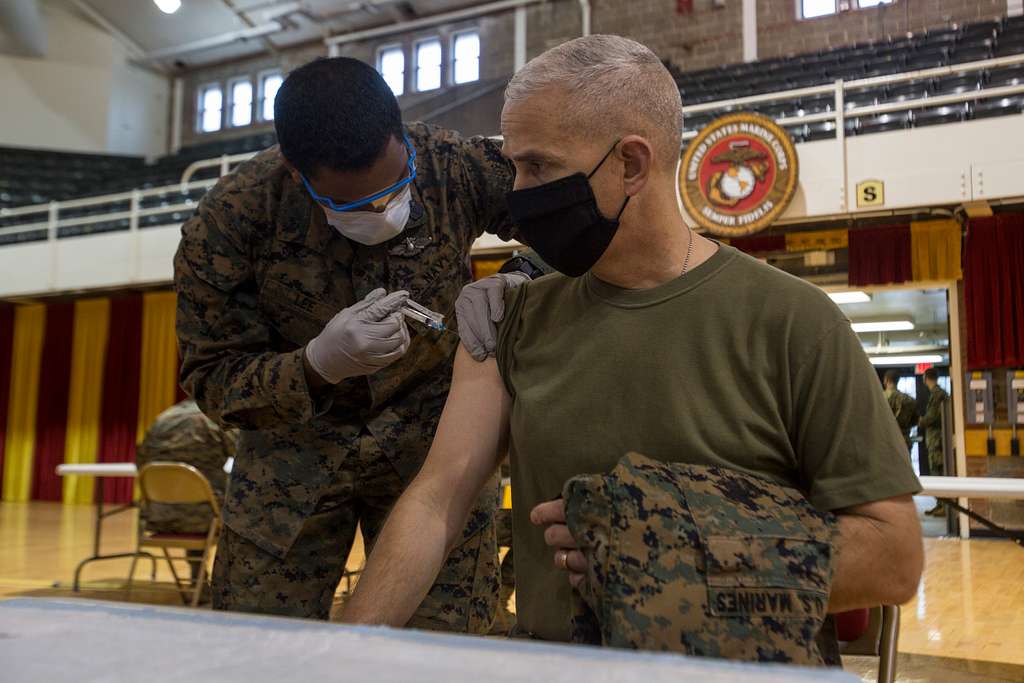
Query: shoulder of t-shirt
[[784, 295], [531, 296]]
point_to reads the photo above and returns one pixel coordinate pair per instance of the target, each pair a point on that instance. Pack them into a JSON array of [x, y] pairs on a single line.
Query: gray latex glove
[[480, 305], [362, 339]]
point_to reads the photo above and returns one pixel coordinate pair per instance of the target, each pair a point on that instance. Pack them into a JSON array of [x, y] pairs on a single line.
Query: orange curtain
[[483, 267], [935, 250], [85, 395], [20, 439], [158, 379]]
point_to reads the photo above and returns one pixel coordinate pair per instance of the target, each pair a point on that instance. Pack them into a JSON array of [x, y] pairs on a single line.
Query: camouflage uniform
[[700, 560], [904, 409], [931, 423], [183, 434], [258, 274]]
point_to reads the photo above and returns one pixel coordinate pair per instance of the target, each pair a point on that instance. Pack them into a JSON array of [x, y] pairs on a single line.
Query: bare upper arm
[[892, 527], [471, 438], [898, 510]]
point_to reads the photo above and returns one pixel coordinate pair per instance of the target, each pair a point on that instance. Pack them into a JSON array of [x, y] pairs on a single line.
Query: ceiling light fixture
[[934, 359], [168, 6], [884, 326], [850, 297]]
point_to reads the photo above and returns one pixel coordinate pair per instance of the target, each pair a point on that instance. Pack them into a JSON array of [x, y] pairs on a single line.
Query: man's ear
[[638, 158]]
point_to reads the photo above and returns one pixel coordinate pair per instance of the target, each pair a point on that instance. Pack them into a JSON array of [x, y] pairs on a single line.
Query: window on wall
[[428, 65], [809, 9], [211, 108], [391, 65], [240, 92], [466, 57], [270, 83]]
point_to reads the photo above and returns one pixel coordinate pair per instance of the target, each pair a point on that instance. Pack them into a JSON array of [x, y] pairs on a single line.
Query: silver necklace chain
[[689, 250]]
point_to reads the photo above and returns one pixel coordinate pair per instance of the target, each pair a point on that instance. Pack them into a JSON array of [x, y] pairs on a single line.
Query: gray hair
[[617, 87]]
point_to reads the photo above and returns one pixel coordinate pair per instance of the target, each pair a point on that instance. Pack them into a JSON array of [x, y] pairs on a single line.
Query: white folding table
[[82, 640], [100, 471], [951, 488]]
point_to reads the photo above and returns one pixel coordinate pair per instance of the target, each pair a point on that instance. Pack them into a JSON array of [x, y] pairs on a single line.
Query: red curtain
[[52, 411], [760, 244], [6, 349], [880, 256], [994, 291], [120, 411]]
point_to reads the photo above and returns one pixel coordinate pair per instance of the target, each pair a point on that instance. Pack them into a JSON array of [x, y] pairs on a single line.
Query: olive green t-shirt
[[735, 363]]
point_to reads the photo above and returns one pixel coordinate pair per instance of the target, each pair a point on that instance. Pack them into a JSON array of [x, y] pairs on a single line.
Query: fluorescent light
[[884, 326], [906, 360], [850, 297], [168, 6]]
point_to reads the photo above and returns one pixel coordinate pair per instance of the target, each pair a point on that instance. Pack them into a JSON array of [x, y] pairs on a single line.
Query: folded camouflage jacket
[[700, 560]]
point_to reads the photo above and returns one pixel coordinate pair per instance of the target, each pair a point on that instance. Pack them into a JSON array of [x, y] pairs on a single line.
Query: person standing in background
[[931, 423], [904, 407]]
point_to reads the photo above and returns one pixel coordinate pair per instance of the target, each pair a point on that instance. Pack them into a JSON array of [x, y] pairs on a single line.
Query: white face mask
[[369, 227]]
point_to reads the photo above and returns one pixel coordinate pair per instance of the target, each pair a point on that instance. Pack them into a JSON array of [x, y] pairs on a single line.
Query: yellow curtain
[[935, 250], [159, 373], [818, 240], [85, 394], [483, 267], [29, 328]]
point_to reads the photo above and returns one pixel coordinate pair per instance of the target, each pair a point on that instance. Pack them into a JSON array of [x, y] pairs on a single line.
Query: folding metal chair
[[880, 639], [176, 483]]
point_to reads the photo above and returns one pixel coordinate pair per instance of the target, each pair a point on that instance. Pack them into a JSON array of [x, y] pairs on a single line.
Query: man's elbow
[[908, 570]]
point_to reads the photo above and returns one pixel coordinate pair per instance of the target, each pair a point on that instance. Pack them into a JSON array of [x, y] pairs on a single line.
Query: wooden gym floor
[[966, 623]]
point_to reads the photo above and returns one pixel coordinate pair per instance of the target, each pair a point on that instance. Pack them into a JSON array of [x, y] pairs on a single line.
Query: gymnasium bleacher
[[897, 54], [35, 177], [30, 177]]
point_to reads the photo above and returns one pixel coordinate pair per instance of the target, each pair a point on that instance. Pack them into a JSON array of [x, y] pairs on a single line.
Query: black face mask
[[561, 222]]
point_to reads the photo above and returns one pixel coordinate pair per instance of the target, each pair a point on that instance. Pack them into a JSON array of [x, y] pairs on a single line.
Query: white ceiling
[[925, 307], [151, 29]]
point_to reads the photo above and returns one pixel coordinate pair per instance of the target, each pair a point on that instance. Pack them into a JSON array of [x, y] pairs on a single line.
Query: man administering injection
[[313, 287]]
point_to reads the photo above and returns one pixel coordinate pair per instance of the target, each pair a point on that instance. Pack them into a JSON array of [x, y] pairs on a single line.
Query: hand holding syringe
[[422, 314]]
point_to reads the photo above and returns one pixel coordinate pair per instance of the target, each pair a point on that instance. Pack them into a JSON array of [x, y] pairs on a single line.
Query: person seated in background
[[650, 339], [183, 434]]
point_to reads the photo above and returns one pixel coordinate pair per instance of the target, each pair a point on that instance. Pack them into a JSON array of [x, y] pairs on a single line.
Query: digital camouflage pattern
[[705, 561], [183, 434], [931, 423], [904, 409], [247, 578], [259, 272]]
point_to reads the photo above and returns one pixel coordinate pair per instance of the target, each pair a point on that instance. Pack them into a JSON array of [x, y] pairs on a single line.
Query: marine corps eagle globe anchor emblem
[[738, 175]]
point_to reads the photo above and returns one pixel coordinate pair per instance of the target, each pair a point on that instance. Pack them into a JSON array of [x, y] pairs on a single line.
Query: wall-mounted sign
[[870, 193], [739, 174]]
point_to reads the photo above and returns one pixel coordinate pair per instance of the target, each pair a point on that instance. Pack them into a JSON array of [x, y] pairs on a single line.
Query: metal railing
[[839, 88], [49, 216], [223, 162]]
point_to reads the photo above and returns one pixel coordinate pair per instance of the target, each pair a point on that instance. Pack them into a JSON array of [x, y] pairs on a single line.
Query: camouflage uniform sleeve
[[933, 415], [487, 177], [224, 341]]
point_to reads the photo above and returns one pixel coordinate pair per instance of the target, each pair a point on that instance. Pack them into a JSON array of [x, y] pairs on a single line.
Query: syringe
[[422, 314]]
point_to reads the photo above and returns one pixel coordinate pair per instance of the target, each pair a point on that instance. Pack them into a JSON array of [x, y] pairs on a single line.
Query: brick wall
[[708, 36], [781, 33]]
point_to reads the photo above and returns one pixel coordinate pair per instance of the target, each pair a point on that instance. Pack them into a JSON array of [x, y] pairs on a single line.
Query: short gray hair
[[616, 86]]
